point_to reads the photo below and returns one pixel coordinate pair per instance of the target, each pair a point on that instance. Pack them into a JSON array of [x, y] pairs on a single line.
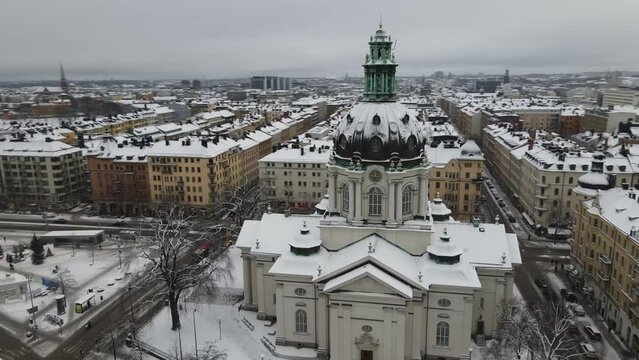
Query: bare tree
[[516, 332], [184, 253], [538, 333], [237, 204], [552, 333]]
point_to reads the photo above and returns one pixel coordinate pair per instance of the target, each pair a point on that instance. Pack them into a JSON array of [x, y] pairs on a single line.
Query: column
[[331, 193], [400, 329], [248, 285], [391, 202], [347, 340], [322, 326], [422, 196], [334, 333], [387, 341], [358, 201], [351, 200], [417, 331], [281, 316], [398, 204], [261, 305]]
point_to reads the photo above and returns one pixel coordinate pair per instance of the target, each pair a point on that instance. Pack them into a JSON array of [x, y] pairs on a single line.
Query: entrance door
[[366, 355], [480, 327]]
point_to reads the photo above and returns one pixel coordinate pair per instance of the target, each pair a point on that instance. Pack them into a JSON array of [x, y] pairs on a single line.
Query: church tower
[[63, 81], [378, 173], [379, 68]]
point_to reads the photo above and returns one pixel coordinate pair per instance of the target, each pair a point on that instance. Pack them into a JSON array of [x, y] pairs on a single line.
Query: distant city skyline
[[201, 39]]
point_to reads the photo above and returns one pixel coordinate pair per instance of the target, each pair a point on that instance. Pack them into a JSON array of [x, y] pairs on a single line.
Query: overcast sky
[[162, 39]]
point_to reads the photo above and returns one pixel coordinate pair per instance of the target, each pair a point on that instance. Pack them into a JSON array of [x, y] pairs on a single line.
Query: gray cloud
[[140, 39]]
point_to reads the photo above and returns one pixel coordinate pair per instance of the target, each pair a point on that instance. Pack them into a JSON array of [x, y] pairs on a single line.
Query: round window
[[375, 176], [443, 302], [300, 292], [376, 120]]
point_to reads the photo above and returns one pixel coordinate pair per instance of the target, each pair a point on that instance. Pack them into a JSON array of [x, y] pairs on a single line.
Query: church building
[[384, 272]]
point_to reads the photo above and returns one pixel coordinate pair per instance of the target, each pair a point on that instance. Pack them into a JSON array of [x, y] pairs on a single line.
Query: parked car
[[48, 215], [578, 310], [588, 351], [592, 332], [119, 223], [541, 283], [568, 295], [60, 221], [572, 327]]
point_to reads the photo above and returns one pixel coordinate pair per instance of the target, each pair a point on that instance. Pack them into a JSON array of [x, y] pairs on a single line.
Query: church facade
[[383, 273]]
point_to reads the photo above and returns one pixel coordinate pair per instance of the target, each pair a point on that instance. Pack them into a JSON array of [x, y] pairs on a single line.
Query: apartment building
[[119, 177], [455, 177], [605, 252], [541, 172], [620, 96], [41, 175], [295, 175], [597, 120]]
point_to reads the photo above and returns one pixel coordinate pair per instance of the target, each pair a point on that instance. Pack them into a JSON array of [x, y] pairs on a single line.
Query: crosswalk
[[16, 354], [75, 351]]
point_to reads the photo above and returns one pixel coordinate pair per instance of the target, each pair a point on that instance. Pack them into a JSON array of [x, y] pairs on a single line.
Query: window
[[443, 332], [345, 198], [300, 321], [375, 202], [407, 200]]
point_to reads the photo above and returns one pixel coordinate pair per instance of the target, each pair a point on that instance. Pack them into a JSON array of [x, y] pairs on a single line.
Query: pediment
[[369, 279]]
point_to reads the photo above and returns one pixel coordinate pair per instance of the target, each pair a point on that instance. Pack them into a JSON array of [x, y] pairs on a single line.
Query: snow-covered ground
[[239, 341], [101, 274]]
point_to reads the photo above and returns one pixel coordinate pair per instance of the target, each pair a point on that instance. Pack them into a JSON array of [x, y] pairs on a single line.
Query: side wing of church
[[384, 273]]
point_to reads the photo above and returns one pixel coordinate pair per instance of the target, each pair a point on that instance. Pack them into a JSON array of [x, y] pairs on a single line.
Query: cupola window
[[375, 202], [407, 200]]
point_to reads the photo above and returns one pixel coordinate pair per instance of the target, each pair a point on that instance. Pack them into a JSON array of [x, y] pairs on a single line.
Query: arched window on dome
[[443, 334], [301, 321], [375, 202], [407, 200], [345, 198]]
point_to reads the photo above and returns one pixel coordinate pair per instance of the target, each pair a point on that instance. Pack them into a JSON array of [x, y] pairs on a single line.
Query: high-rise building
[[271, 83]]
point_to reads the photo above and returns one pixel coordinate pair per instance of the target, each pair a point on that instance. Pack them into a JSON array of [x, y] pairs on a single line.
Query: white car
[[588, 351]]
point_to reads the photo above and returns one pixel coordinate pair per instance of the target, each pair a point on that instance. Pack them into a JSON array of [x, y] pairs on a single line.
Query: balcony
[[635, 311], [540, 208], [635, 290], [478, 180], [540, 196], [603, 277], [540, 184], [605, 260]]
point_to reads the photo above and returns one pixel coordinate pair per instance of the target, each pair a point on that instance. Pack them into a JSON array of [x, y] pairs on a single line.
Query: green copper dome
[[379, 69]]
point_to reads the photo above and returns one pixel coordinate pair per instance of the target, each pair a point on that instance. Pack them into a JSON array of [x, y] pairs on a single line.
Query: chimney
[[166, 141], [205, 142], [302, 150]]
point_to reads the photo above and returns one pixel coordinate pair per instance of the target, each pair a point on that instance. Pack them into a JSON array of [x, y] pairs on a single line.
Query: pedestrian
[[81, 352]]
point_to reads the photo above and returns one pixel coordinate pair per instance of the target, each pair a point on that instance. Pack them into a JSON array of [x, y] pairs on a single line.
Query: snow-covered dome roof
[[470, 148], [595, 180], [439, 210], [303, 243], [378, 132]]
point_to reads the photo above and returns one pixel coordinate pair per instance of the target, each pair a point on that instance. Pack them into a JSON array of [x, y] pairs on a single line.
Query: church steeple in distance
[[379, 69], [63, 81]]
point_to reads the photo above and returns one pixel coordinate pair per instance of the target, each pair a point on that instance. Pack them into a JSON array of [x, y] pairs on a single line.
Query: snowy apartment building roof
[[36, 148], [619, 207], [313, 151]]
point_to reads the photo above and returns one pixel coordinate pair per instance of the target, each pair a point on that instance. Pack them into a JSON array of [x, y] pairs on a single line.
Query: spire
[[63, 81], [380, 21], [379, 68]]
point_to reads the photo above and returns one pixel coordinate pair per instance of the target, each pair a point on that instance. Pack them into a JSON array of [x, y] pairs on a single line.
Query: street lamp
[[195, 333], [32, 310]]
